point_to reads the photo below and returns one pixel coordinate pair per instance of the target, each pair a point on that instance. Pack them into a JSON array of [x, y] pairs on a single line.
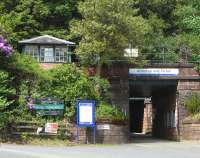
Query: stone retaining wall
[[190, 130], [107, 133], [112, 134]]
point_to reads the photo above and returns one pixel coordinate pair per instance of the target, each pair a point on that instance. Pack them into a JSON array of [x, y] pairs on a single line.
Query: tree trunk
[[98, 74]]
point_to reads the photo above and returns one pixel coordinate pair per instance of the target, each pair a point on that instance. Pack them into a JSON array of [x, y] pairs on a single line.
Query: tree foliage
[[70, 83], [193, 104], [106, 29], [23, 19], [6, 93], [106, 112]]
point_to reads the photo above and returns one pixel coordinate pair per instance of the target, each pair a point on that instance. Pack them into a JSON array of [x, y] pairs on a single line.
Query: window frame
[[33, 51]]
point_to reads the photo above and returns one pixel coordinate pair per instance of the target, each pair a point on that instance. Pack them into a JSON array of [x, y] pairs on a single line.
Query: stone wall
[[190, 130], [72, 129], [115, 134], [185, 89], [147, 118], [117, 74], [119, 90], [107, 133], [188, 81]]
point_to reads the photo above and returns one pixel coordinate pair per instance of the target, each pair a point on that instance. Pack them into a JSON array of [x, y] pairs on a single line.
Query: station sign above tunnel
[[153, 72]]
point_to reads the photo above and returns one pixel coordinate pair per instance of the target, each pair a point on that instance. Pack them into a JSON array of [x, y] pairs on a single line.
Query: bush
[[193, 104], [5, 102], [106, 112], [69, 83], [194, 117]]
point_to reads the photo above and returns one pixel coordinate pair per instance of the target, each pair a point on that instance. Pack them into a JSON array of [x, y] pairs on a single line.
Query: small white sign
[[51, 128], [131, 52], [103, 127], [154, 72]]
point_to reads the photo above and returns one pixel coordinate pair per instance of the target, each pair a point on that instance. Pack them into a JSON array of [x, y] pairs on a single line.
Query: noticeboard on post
[[86, 113]]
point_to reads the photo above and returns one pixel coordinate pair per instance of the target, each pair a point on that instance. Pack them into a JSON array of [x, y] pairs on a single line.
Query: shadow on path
[[142, 138]]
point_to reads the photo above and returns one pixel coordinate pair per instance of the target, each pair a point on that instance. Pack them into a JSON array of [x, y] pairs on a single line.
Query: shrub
[[5, 48], [5, 102], [193, 104], [194, 117], [106, 112], [69, 83]]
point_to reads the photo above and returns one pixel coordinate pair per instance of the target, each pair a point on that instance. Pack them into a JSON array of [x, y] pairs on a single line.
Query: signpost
[[86, 116], [46, 107]]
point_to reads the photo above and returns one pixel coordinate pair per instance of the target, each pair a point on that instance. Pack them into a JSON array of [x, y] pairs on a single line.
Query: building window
[[49, 54], [32, 51], [46, 54], [62, 55]]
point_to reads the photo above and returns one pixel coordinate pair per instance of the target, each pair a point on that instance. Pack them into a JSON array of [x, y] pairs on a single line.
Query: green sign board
[[48, 106], [48, 109]]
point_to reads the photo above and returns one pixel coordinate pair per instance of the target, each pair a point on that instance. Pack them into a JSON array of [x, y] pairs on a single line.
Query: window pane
[[57, 53], [60, 54], [47, 54], [32, 51], [57, 59]]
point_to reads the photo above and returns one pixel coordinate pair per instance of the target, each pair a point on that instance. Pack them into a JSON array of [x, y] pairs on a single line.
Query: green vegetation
[[166, 30], [19, 75], [106, 29], [69, 83], [106, 112], [5, 101], [193, 104], [24, 19]]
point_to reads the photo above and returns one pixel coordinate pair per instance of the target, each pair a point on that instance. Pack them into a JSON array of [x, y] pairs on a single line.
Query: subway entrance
[[152, 108]]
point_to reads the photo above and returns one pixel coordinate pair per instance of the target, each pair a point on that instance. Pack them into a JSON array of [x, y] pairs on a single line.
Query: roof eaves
[[46, 36]]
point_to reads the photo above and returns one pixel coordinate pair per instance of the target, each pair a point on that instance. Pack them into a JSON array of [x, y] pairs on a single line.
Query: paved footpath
[[152, 149]]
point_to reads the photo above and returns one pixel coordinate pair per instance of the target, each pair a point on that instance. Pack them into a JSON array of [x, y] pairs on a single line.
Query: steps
[[29, 128]]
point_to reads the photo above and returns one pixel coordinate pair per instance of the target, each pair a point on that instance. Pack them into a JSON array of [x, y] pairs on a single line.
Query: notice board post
[[86, 116]]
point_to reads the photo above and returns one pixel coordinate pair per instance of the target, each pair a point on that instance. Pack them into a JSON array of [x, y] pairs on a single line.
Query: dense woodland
[[106, 27], [102, 29]]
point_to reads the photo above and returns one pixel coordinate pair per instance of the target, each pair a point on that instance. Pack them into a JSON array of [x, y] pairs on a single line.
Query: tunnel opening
[[152, 108]]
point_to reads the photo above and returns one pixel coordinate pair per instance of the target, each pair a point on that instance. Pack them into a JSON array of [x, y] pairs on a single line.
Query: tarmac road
[[150, 149]]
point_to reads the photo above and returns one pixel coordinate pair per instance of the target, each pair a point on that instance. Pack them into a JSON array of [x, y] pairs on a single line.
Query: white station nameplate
[[154, 72]]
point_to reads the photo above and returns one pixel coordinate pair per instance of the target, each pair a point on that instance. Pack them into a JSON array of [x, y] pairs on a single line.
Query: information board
[[86, 113]]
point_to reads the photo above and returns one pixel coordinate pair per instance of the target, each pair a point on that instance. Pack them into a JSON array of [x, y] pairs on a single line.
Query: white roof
[[46, 39]]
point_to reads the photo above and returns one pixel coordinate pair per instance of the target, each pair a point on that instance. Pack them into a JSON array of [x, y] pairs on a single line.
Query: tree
[[25, 70], [24, 19], [21, 68], [6, 93], [187, 37], [106, 29], [69, 83], [19, 76], [159, 43]]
